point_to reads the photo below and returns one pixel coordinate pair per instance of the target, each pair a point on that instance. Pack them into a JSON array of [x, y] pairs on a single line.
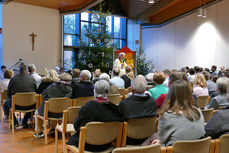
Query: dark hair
[[175, 76], [226, 74], [215, 78], [192, 71], [197, 69], [206, 69], [179, 99], [23, 69], [8, 74], [206, 75], [3, 67], [186, 67], [214, 67]]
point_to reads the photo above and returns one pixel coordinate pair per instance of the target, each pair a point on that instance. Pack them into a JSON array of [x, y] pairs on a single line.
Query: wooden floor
[[23, 141]]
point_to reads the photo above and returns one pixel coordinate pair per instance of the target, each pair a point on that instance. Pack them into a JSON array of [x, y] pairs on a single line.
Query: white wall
[[133, 30], [20, 20], [191, 40]]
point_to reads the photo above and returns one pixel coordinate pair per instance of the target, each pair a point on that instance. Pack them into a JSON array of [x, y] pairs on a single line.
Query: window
[[74, 30]]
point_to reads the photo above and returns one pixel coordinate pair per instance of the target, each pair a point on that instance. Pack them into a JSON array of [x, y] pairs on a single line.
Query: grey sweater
[[218, 101], [173, 128]]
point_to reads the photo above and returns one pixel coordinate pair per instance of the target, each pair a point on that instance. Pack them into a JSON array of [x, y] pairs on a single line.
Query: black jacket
[[82, 89], [43, 86], [94, 112], [219, 124], [127, 81]]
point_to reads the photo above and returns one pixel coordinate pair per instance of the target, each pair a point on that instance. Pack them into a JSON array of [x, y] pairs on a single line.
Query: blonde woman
[[200, 86]]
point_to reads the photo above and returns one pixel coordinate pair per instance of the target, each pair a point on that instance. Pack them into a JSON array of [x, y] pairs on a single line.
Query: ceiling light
[[151, 1]]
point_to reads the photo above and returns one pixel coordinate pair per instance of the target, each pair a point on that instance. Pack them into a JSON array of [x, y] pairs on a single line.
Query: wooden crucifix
[[33, 35]]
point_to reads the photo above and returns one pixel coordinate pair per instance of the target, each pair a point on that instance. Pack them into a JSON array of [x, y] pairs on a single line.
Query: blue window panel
[[84, 26], [69, 58], [78, 23], [123, 43], [123, 28], [69, 23], [94, 18], [117, 27], [109, 24], [71, 40], [117, 43]]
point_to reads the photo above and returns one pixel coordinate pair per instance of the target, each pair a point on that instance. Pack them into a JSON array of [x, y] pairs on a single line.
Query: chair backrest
[[207, 114], [128, 90], [3, 96], [202, 101], [122, 91], [146, 149], [58, 105], [80, 101], [114, 98], [25, 99], [99, 133], [192, 146], [141, 128], [223, 145], [72, 114]]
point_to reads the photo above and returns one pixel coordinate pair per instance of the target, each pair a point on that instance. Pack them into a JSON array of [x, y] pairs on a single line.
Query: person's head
[[31, 68], [192, 71], [182, 69], [8, 74], [222, 68], [200, 80], [201, 69], [51, 76], [130, 75], [215, 78], [139, 85], [206, 69], [179, 101], [104, 76], [197, 69], [97, 73], [214, 68], [222, 85], [159, 77], [23, 69], [3, 68], [62, 70], [115, 71], [65, 77], [76, 73], [226, 73], [186, 69], [174, 77], [149, 77], [167, 73], [128, 69], [121, 56], [206, 75], [85, 75], [101, 89]]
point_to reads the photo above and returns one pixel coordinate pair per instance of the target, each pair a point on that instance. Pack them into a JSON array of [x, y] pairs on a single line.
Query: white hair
[[120, 54], [65, 77], [139, 84], [101, 89], [105, 76], [222, 84], [86, 74], [149, 77]]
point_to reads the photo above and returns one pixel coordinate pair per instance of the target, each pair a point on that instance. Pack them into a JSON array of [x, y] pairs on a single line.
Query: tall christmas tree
[[144, 65], [96, 51]]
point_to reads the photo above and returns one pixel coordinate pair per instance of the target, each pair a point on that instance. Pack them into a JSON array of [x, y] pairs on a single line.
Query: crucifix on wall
[[33, 35]]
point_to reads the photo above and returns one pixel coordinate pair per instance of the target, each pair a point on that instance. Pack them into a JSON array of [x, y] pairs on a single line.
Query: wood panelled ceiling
[[61, 5]]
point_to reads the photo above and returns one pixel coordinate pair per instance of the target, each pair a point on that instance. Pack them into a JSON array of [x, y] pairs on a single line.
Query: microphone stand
[[15, 64]]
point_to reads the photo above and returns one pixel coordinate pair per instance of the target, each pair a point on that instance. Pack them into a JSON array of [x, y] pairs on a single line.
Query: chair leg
[[1, 115], [37, 123], [12, 122], [56, 141], [10, 119], [32, 119], [45, 132], [64, 142]]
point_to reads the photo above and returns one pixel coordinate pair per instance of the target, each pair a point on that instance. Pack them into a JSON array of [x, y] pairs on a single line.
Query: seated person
[[179, 118], [96, 76], [20, 83], [76, 76], [85, 87], [101, 110], [159, 89], [150, 83], [220, 100], [125, 77], [138, 105], [219, 123], [4, 83], [33, 73], [116, 80], [210, 84], [167, 74], [113, 88], [200, 86], [52, 77], [60, 89]]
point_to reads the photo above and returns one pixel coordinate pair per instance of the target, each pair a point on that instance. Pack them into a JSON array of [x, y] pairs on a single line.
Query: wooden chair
[[139, 128], [4, 97], [146, 149], [114, 98], [53, 105], [22, 100], [202, 101], [222, 144], [98, 133], [207, 114], [80, 101], [67, 125], [193, 146]]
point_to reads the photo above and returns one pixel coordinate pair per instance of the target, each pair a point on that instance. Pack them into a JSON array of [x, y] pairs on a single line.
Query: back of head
[[76, 73], [159, 77], [105, 76], [214, 67], [116, 71], [222, 85], [8, 74], [167, 72], [97, 73], [206, 75], [179, 99], [101, 89], [3, 67], [197, 69], [31, 68], [226, 74], [23, 69], [149, 77], [85, 75], [200, 80], [128, 69], [65, 77], [51, 76], [192, 71], [139, 84]]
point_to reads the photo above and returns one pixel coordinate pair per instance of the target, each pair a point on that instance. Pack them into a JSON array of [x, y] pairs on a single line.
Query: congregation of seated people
[[170, 95]]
